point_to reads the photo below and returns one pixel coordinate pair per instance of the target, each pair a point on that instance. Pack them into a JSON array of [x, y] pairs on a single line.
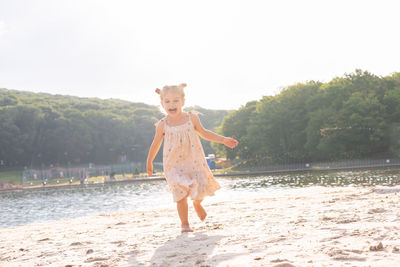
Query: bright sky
[[228, 52]]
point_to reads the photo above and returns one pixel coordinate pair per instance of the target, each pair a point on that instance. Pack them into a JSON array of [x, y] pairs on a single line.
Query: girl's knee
[[197, 201]]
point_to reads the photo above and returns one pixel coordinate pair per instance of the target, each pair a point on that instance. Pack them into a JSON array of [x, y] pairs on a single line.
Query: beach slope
[[311, 226]]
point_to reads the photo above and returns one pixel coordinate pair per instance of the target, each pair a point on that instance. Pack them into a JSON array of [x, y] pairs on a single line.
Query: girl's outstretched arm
[[210, 135], [155, 146]]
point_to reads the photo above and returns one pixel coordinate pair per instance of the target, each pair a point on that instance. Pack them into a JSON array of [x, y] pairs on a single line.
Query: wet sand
[[312, 226]]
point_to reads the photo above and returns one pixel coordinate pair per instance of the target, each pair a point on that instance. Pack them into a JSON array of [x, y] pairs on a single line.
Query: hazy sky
[[228, 52]]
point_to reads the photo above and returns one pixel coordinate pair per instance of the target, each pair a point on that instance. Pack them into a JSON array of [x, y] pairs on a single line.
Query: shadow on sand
[[187, 249]]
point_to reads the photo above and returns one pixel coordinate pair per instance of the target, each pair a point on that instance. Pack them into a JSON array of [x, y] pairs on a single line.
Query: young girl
[[185, 166]]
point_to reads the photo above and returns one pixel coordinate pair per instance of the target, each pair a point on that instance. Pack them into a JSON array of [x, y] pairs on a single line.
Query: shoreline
[[230, 174], [311, 226]]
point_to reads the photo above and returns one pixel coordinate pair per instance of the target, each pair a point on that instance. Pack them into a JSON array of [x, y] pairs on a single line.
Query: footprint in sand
[[93, 259], [76, 244], [377, 247], [119, 243], [347, 220], [345, 255], [284, 265], [376, 210], [348, 258], [278, 260]]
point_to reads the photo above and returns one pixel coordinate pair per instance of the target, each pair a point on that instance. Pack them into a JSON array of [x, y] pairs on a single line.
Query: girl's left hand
[[230, 142]]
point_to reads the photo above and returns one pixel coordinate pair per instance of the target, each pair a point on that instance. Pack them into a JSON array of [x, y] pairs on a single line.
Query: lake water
[[22, 207]]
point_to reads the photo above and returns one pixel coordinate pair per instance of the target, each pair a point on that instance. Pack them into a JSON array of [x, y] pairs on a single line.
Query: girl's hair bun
[[172, 88]]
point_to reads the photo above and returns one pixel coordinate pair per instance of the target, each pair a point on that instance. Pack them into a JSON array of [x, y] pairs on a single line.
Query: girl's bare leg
[[182, 207], [199, 209]]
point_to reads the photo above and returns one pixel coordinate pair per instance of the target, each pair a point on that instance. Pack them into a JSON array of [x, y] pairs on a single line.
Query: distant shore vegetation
[[356, 116], [42, 130]]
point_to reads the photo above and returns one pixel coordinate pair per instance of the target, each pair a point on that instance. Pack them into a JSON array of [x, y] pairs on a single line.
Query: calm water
[[18, 208]]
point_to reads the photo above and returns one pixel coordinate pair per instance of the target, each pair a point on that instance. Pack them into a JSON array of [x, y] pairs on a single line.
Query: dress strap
[[160, 121], [193, 113], [190, 116]]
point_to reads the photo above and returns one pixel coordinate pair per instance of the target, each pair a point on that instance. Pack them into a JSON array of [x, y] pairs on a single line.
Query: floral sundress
[[185, 166]]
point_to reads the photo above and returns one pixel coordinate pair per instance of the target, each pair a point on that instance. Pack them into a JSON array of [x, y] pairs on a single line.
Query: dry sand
[[313, 226]]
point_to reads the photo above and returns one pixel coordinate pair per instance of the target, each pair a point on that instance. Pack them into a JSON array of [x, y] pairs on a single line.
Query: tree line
[[356, 116], [38, 129]]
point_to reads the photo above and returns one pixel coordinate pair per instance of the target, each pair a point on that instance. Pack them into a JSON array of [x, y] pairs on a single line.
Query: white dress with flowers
[[185, 165]]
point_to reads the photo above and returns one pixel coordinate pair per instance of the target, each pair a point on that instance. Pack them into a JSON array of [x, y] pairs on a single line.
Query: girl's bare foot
[[199, 210], [186, 228]]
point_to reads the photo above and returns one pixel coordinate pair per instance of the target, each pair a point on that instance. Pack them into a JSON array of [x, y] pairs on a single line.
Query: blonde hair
[[172, 88]]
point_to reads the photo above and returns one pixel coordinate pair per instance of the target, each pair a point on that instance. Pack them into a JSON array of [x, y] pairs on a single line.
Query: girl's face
[[172, 102]]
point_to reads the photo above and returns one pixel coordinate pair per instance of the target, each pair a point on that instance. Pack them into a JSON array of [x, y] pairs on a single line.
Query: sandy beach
[[311, 226]]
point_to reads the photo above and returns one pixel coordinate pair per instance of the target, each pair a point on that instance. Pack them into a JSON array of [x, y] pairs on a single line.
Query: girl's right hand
[[150, 168]]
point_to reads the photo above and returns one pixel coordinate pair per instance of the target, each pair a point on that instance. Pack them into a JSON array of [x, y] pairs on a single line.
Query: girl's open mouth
[[172, 109]]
